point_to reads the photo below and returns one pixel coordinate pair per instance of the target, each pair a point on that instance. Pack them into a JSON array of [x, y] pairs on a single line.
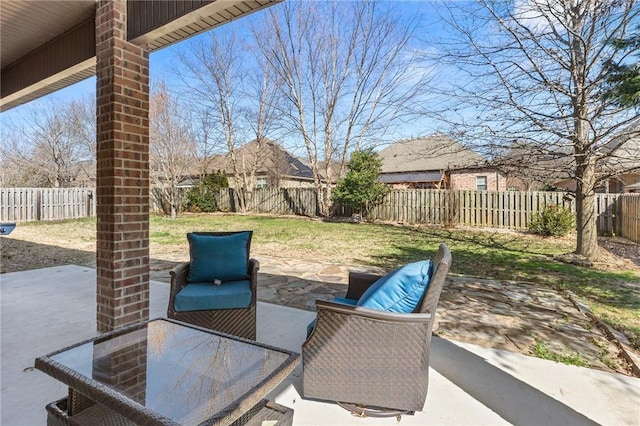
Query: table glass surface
[[180, 372]]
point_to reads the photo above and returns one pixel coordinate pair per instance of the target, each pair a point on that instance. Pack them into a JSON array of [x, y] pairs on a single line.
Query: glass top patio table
[[167, 372]]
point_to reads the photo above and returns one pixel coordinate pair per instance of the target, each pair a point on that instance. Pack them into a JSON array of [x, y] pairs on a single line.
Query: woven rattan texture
[[373, 358], [96, 415], [266, 411], [138, 414], [238, 322], [383, 358], [76, 402], [120, 403]]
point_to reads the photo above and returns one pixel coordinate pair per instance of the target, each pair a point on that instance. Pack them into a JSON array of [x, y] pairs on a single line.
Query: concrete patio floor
[[44, 310]]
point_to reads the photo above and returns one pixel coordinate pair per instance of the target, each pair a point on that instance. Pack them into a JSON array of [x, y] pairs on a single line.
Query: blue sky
[[162, 65]]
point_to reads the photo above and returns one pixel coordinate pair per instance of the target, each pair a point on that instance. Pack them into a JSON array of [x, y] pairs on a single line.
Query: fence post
[[38, 204]]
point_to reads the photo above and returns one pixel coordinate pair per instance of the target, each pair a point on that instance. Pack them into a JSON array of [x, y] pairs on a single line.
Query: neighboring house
[[335, 172], [625, 182], [633, 189], [84, 174], [529, 168], [276, 167], [437, 162], [624, 165], [619, 171]]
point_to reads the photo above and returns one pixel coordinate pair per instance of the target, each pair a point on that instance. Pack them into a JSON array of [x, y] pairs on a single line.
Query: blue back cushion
[[345, 301], [399, 291], [206, 296], [222, 257]]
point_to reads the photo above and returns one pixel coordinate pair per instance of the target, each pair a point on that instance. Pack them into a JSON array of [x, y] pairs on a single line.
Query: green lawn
[[496, 255], [499, 255]]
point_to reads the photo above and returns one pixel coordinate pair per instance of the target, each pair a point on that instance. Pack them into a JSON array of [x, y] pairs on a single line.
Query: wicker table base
[[95, 415], [266, 411], [99, 415]]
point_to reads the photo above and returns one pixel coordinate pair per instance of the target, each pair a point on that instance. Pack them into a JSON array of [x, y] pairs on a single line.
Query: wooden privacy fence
[[28, 204], [630, 217], [294, 201], [284, 201], [617, 214], [493, 209], [506, 209]]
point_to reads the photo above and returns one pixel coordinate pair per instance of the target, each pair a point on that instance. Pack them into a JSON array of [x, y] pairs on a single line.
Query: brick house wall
[[471, 179], [615, 184]]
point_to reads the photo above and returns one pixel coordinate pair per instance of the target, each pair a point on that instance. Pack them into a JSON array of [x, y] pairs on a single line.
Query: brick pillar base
[[122, 190]]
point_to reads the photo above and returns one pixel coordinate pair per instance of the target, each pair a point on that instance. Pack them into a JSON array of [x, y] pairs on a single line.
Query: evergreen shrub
[[202, 197], [556, 221]]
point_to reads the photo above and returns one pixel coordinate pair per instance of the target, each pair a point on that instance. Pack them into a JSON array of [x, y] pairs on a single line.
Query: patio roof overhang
[[48, 45]]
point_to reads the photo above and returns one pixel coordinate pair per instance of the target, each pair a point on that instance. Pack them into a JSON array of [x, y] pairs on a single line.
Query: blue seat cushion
[[206, 296], [399, 291], [222, 257]]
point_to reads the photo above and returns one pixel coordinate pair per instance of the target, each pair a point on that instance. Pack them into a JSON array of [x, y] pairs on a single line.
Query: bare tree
[[207, 136], [16, 171], [171, 149], [530, 75], [46, 146], [82, 119], [218, 77], [262, 117], [346, 73]]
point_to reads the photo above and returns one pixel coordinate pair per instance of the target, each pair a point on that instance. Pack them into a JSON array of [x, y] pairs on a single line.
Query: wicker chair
[[371, 362], [239, 322]]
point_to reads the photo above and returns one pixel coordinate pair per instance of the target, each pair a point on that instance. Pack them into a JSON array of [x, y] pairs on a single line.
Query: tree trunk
[[323, 207], [173, 201], [587, 239]]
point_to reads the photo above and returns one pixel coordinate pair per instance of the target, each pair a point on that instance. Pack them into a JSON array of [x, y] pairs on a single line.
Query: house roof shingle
[[271, 158], [412, 177], [431, 153]]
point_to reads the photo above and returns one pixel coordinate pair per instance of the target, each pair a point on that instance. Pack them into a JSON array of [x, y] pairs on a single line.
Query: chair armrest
[[360, 326], [178, 281], [365, 356], [359, 282], [179, 276], [254, 267], [371, 314]]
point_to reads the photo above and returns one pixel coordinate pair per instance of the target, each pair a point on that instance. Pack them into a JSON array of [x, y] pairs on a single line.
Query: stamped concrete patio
[[46, 309]]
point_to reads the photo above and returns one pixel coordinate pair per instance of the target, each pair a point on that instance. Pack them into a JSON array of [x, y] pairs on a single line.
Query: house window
[[261, 183], [481, 183]]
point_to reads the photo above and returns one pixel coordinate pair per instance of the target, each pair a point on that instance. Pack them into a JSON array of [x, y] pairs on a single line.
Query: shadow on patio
[[507, 315], [44, 310]]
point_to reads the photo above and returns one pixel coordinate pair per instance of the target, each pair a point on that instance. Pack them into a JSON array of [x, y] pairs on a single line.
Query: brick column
[[122, 188]]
